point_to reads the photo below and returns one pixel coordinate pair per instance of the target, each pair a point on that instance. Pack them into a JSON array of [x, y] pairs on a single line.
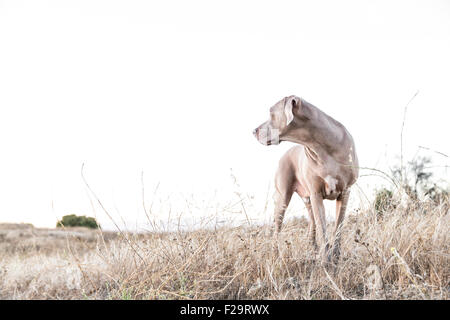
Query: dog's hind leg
[[284, 188], [282, 198]]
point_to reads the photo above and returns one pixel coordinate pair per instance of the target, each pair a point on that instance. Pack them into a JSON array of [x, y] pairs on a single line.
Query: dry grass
[[403, 254]]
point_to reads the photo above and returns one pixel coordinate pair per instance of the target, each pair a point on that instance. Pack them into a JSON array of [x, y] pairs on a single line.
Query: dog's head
[[284, 116]]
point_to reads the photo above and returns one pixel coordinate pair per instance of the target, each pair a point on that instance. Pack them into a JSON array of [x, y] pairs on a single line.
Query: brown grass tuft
[[402, 255]]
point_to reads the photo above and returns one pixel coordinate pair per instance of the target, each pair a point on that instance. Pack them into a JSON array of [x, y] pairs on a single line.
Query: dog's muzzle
[[267, 136]]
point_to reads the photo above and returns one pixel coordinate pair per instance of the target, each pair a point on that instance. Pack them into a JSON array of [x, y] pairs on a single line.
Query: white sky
[[175, 88]]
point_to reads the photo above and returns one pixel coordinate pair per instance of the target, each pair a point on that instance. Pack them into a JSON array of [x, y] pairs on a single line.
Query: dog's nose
[[255, 131]]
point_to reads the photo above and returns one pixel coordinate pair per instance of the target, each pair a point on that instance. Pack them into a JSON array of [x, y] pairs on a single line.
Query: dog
[[323, 166]]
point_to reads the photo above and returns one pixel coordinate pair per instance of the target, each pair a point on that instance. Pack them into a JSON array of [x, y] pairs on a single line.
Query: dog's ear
[[289, 109]]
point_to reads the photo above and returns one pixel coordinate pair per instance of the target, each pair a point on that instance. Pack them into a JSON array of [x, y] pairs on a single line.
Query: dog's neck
[[321, 135]]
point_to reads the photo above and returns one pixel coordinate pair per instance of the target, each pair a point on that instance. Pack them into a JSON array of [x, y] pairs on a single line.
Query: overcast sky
[[175, 88]]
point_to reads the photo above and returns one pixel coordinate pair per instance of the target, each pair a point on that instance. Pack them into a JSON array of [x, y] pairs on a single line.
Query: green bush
[[73, 220], [384, 200]]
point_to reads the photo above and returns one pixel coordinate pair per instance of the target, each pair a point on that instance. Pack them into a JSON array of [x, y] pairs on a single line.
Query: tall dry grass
[[402, 254]]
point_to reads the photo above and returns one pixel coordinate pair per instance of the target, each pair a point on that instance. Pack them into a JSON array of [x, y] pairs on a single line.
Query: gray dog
[[323, 166]]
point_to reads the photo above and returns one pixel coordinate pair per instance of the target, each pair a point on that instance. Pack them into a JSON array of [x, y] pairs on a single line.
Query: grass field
[[402, 254]]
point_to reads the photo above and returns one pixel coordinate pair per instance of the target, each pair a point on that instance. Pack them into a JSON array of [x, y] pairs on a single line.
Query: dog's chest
[[327, 178], [324, 173], [331, 187]]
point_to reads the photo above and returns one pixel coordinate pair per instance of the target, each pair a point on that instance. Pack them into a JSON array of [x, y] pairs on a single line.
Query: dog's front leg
[[341, 206], [312, 224], [319, 218]]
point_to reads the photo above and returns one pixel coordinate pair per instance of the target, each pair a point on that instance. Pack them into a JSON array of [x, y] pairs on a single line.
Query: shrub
[[73, 220], [384, 201]]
